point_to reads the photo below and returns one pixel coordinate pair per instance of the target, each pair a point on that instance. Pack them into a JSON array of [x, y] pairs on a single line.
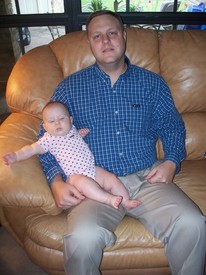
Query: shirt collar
[[103, 75]]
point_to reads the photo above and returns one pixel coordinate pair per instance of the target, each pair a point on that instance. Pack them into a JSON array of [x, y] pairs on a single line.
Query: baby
[[63, 141]]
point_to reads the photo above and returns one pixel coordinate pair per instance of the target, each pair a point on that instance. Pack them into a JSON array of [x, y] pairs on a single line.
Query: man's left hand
[[164, 172]]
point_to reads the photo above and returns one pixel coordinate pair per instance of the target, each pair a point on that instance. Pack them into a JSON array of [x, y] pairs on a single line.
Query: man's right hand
[[65, 194]]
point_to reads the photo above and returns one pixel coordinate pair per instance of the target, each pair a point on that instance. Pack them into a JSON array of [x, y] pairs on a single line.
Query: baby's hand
[[9, 158], [83, 132]]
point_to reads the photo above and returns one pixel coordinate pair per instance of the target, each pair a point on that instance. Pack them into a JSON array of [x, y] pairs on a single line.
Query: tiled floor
[[13, 259], [42, 36], [3, 117]]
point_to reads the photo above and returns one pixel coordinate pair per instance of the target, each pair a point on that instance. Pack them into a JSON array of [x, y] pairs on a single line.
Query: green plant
[[132, 8], [97, 5], [183, 6], [136, 5]]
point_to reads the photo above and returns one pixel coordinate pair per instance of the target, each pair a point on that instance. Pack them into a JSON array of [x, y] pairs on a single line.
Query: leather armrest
[[23, 184]]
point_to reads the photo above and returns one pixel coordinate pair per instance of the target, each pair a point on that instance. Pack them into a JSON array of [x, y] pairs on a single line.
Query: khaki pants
[[165, 211]]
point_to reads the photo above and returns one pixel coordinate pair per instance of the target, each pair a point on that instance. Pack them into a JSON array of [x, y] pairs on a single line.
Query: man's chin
[[109, 60]]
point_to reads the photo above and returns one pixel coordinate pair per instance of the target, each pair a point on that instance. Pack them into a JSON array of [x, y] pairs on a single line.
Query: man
[[127, 109]]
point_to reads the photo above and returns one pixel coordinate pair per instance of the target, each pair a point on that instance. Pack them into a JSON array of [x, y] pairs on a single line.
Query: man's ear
[[125, 35]]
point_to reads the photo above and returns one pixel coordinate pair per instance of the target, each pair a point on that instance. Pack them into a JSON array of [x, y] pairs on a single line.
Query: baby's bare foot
[[117, 201], [114, 201], [129, 204]]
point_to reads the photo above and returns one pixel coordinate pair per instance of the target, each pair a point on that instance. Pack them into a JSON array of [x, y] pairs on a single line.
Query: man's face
[[107, 39]]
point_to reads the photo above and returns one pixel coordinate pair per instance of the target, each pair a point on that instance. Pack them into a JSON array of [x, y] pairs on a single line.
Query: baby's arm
[[24, 153]]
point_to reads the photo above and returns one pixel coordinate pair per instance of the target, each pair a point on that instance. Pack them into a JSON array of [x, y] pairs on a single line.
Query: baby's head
[[56, 118]]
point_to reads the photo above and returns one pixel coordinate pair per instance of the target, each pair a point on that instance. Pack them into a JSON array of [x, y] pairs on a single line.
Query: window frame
[[73, 18]]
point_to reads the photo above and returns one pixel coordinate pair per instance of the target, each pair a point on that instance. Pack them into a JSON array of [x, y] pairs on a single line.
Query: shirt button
[[118, 132], [114, 91], [116, 112], [120, 154]]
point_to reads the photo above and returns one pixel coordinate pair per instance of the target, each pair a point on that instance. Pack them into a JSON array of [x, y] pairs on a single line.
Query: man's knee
[[81, 255], [185, 247], [90, 234], [192, 226], [87, 243], [193, 219]]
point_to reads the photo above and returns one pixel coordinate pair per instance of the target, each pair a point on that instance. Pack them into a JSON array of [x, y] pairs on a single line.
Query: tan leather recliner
[[27, 208]]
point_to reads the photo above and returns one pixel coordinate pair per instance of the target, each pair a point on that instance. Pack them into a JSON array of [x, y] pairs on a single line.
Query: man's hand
[[65, 194], [164, 172]]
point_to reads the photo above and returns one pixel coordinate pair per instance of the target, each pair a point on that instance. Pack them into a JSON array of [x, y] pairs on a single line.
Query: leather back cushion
[[37, 73], [183, 66]]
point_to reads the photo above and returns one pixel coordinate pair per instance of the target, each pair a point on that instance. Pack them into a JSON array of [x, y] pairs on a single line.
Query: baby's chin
[[60, 133]]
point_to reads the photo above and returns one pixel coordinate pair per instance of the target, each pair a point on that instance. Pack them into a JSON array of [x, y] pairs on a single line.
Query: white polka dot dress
[[71, 152]]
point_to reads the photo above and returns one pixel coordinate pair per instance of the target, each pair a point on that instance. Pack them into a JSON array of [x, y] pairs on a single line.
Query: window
[[30, 23], [38, 6], [140, 5], [35, 22]]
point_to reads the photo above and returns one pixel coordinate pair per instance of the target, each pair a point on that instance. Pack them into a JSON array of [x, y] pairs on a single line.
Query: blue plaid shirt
[[125, 120]]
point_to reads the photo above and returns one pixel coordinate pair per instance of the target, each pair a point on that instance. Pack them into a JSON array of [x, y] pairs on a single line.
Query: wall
[[7, 61]]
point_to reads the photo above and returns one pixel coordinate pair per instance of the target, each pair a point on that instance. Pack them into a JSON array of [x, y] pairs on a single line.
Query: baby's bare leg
[[108, 181], [92, 190]]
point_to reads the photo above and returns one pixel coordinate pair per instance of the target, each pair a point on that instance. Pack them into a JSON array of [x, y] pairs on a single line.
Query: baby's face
[[57, 121]]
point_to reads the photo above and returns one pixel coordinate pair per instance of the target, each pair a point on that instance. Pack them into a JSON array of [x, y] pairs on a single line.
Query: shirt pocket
[[138, 117]]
